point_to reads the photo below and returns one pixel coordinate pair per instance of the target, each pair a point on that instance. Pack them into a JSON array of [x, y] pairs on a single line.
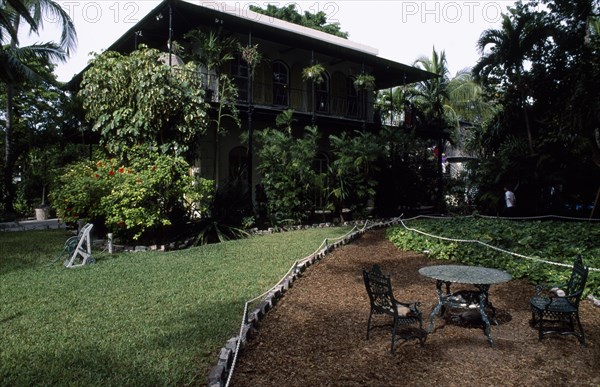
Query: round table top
[[475, 275]]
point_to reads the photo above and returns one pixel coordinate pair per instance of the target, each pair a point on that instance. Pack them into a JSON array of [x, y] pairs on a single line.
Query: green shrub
[[128, 198], [548, 240], [286, 169]]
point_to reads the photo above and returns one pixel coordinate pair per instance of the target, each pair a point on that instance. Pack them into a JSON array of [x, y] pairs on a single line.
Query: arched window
[[238, 163], [351, 97], [322, 95], [281, 83]]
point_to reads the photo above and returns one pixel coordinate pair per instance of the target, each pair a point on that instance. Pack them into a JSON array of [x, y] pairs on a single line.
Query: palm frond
[[14, 59]]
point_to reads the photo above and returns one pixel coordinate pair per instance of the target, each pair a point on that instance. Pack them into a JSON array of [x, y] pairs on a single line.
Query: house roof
[[154, 28]]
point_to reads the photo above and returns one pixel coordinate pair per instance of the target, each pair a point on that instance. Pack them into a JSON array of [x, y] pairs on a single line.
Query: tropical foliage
[[286, 168], [352, 170], [539, 69], [135, 99], [553, 241], [147, 193], [317, 21], [15, 67], [147, 114], [38, 146]]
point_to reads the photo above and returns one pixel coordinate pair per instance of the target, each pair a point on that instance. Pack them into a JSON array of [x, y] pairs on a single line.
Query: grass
[[146, 318]]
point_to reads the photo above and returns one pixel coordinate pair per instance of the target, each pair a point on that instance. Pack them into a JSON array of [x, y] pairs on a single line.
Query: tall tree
[[212, 51], [432, 94], [542, 69], [509, 50], [39, 135], [14, 69], [135, 100]]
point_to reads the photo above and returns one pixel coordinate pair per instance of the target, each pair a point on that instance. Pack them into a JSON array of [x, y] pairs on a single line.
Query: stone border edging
[[220, 374]]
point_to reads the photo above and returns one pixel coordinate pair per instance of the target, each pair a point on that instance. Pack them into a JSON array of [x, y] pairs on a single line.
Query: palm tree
[[432, 94], [212, 51], [14, 70], [509, 48]]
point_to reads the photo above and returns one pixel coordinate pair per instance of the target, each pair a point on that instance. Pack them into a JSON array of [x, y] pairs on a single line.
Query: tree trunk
[[9, 158], [217, 152], [8, 153]]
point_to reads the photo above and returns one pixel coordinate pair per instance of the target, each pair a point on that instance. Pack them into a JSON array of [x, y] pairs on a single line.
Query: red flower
[[97, 176], [111, 173], [154, 167], [121, 170]]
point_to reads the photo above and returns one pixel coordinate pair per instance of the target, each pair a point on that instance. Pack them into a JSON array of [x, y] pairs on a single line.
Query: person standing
[[510, 202]]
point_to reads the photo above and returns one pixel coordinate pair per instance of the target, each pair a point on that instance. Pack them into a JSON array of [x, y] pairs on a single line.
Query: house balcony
[[277, 98]]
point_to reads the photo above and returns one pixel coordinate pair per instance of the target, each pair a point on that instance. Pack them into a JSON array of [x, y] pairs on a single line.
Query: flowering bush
[[146, 193]]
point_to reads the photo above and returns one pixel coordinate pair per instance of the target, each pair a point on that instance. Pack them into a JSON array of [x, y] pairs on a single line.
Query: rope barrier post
[[110, 242]]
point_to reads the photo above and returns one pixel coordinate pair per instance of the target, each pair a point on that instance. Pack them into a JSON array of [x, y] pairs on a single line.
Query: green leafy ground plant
[[554, 241]]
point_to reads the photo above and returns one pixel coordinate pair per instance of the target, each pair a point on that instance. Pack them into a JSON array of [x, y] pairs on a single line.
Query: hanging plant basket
[[251, 55], [364, 82], [314, 73]]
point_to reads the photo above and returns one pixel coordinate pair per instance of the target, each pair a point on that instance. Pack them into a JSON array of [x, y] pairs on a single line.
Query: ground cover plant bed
[[521, 247], [315, 335]]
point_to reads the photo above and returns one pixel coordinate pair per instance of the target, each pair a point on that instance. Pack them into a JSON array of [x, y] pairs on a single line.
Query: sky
[[401, 30]]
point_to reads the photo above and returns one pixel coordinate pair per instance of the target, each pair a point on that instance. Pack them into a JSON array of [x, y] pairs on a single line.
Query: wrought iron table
[[480, 277]]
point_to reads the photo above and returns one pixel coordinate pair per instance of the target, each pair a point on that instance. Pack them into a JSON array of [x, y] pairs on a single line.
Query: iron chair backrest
[[577, 281], [379, 289]]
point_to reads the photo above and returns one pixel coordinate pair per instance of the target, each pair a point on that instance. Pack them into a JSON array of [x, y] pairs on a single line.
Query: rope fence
[[229, 354], [486, 244]]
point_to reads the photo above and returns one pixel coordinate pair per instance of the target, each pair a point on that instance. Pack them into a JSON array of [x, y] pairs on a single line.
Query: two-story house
[[276, 84]]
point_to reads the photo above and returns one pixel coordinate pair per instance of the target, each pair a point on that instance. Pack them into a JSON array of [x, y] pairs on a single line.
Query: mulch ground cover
[[316, 334]]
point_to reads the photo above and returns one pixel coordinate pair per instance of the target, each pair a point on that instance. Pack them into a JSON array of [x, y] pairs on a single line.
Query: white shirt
[[510, 199]]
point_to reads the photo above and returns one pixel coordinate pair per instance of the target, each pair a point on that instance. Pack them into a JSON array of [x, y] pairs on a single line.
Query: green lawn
[[145, 319]]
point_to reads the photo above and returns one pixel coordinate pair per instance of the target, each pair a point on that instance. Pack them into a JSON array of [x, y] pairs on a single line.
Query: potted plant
[[251, 55], [314, 73], [364, 82]]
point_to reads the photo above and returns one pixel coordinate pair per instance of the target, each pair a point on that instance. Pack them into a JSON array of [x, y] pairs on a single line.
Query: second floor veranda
[[278, 88]]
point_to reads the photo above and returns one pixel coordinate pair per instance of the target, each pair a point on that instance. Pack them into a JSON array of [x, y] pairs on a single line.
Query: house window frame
[[281, 90], [323, 94], [239, 70], [352, 98]]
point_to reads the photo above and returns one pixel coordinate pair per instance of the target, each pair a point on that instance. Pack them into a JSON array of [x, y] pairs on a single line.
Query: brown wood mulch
[[316, 334]]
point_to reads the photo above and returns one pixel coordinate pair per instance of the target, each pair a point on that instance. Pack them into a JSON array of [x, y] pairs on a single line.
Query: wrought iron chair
[[381, 297], [552, 313]]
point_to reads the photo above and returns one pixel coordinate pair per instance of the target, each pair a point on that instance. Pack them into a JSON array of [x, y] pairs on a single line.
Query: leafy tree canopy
[[317, 21], [541, 67], [138, 100]]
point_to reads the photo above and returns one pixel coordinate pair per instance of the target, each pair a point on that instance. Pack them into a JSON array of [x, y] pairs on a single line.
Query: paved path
[[32, 225]]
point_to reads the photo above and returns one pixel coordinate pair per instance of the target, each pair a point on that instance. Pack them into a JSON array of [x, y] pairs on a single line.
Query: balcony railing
[[303, 100], [281, 97]]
